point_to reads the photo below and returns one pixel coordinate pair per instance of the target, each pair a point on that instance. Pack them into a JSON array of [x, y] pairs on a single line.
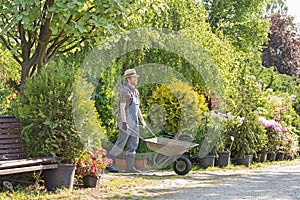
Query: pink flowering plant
[[276, 135], [281, 139], [92, 163]]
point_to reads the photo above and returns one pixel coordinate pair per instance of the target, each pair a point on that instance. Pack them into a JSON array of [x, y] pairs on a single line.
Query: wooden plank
[[11, 146], [5, 151], [24, 162], [9, 119], [10, 131], [13, 156], [27, 169], [7, 116], [10, 125], [8, 136], [12, 141]]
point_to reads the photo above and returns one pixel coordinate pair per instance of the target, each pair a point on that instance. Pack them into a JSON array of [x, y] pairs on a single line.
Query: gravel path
[[271, 182], [280, 182]]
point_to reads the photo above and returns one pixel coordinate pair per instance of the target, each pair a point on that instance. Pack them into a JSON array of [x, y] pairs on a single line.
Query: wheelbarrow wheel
[[182, 166]]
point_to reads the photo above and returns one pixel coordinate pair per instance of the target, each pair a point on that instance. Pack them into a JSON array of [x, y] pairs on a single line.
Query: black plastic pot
[[207, 161], [280, 156], [271, 157], [223, 159], [257, 157], [263, 157], [62, 177], [245, 161], [90, 181]]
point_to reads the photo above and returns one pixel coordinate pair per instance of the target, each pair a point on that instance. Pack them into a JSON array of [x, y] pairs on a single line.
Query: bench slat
[[24, 162], [12, 141], [9, 119], [11, 146], [8, 136], [28, 169], [13, 156], [10, 131], [10, 125], [8, 151]]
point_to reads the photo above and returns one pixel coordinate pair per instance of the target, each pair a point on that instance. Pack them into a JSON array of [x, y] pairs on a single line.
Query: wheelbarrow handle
[[138, 135], [147, 127]]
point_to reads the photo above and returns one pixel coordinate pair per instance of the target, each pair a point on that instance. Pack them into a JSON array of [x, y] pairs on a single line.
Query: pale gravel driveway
[[276, 182], [271, 182]]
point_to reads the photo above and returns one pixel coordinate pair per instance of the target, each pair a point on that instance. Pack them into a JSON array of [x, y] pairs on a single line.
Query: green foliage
[[276, 6], [86, 118], [36, 31], [250, 136], [240, 22], [9, 80], [45, 111], [6, 99], [182, 106]]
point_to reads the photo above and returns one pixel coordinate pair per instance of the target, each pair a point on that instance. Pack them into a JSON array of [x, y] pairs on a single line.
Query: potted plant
[[223, 158], [249, 135], [46, 111], [208, 149], [91, 165], [275, 137]]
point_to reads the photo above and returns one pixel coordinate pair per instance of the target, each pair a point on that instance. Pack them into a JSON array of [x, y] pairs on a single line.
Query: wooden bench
[[13, 158]]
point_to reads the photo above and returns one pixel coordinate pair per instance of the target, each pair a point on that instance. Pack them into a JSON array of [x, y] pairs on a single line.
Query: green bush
[[182, 107], [250, 136], [45, 111]]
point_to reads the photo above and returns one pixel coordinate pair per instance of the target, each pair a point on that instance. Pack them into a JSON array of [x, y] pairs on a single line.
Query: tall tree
[[240, 21], [282, 50], [37, 30], [276, 6]]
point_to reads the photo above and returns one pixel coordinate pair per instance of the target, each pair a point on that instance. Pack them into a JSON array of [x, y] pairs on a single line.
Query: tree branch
[[59, 44], [55, 40], [6, 44], [72, 47]]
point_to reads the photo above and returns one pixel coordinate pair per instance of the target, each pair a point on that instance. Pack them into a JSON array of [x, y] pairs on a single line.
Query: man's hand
[[124, 126], [143, 124]]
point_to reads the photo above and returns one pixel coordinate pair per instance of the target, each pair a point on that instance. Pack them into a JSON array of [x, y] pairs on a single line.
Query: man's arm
[[122, 111], [140, 116]]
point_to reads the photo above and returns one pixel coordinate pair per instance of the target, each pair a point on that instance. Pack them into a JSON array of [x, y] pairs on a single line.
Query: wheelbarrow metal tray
[[169, 147]]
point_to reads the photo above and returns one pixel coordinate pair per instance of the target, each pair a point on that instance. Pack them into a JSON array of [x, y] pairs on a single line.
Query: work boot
[[130, 164], [111, 168]]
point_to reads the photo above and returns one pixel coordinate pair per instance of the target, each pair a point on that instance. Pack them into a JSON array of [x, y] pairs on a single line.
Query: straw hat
[[129, 73]]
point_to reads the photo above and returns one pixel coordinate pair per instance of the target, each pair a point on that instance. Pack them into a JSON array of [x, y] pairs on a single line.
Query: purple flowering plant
[[276, 135]]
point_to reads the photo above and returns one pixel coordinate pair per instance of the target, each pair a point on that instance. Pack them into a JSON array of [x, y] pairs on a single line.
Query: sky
[[294, 9]]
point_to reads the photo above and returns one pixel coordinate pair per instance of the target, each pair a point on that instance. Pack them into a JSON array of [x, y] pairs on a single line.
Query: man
[[130, 114]]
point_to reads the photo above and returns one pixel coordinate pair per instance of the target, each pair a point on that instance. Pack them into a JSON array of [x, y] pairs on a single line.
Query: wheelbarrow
[[173, 150]]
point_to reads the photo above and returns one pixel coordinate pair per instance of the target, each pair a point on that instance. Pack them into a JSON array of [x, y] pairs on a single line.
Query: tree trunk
[[24, 74]]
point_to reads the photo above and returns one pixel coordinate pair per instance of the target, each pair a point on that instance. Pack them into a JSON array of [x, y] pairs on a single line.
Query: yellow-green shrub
[[182, 105]]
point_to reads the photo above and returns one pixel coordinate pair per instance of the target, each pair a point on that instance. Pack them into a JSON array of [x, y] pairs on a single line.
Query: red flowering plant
[[92, 163]]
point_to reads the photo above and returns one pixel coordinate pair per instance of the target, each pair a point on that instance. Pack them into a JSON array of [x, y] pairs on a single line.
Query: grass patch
[[142, 192], [115, 196]]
